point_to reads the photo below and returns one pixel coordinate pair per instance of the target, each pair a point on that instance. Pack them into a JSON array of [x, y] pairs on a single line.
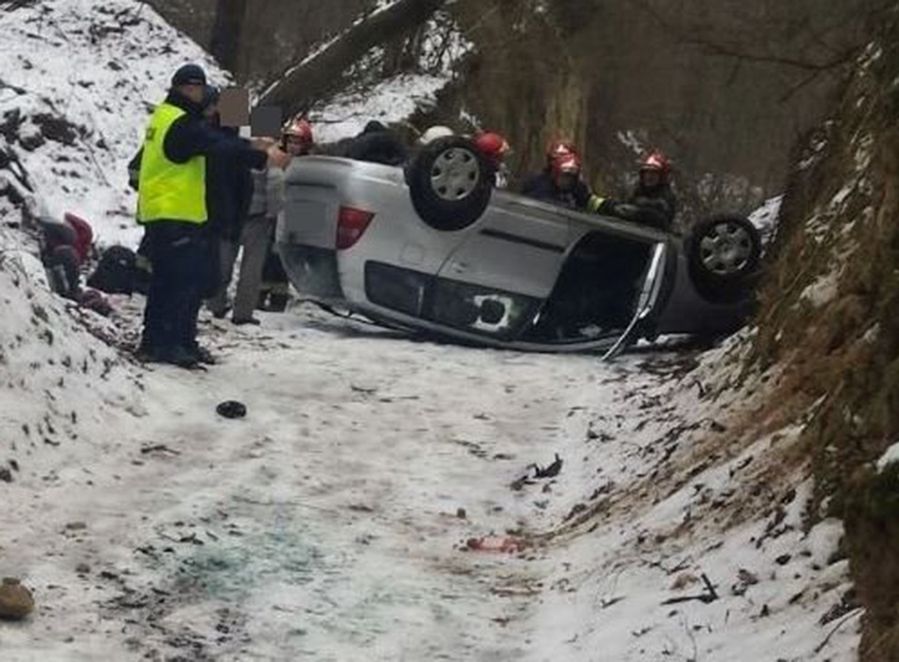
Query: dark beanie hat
[[189, 74]]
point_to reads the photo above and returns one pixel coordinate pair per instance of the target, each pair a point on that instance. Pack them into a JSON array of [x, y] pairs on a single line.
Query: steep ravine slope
[[829, 322]]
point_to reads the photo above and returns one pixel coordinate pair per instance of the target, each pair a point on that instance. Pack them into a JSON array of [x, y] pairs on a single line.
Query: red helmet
[[493, 146], [84, 235], [566, 163], [657, 161], [299, 128]]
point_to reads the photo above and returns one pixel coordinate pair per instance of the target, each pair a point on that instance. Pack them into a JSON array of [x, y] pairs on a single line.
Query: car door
[[515, 247], [496, 278]]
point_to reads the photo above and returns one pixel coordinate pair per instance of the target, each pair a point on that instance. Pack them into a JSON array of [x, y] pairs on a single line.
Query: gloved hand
[[626, 211], [277, 158]]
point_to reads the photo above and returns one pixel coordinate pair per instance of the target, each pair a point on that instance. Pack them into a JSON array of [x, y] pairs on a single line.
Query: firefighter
[[561, 181], [297, 140], [653, 195]]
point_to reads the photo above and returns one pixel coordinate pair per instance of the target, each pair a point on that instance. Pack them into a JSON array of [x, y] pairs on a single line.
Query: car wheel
[[450, 184], [724, 254]]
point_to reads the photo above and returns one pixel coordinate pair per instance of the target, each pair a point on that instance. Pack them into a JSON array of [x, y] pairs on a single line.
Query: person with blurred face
[[257, 234], [231, 189]]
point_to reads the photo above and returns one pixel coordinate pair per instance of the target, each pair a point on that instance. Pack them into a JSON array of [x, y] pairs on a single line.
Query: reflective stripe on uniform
[[594, 203], [168, 190]]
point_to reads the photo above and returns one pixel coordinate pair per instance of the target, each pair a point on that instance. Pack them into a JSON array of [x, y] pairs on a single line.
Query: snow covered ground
[[332, 523]]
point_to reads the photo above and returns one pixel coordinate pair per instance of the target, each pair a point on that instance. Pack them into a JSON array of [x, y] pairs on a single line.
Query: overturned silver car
[[401, 247]]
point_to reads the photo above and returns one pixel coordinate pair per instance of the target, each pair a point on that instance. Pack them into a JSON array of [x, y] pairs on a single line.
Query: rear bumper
[[312, 270]]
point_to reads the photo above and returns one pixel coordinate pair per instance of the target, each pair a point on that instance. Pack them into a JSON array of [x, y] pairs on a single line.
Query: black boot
[[278, 302]]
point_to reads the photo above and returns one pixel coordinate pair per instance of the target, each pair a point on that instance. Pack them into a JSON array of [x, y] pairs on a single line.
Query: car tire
[[724, 254], [450, 184]]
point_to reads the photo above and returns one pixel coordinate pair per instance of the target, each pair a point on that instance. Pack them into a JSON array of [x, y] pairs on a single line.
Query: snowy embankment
[[79, 79]]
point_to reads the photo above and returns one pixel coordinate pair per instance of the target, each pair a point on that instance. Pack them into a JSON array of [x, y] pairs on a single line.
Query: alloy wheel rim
[[726, 249], [455, 174]]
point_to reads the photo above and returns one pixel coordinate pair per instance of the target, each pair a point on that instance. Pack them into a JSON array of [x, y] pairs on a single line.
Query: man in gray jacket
[[265, 206]]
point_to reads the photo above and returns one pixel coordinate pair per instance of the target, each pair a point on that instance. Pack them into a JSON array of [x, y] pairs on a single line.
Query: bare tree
[[305, 82], [226, 32]]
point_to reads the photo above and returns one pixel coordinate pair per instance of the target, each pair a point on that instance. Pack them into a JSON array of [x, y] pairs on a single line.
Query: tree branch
[[304, 83]]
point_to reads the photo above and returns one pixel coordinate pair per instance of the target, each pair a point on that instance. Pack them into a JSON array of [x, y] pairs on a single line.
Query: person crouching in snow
[[66, 246]]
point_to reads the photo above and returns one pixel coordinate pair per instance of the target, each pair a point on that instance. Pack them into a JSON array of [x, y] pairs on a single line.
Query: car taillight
[[351, 225]]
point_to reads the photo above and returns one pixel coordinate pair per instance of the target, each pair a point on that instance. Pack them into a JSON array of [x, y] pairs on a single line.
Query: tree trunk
[[226, 32], [307, 81]]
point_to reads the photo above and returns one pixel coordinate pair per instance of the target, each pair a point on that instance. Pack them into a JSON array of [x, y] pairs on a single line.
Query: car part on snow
[[508, 545], [515, 278], [724, 254], [449, 183], [549, 471], [231, 409]]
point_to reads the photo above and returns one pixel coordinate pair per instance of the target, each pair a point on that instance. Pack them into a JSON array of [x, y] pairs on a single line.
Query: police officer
[[172, 207]]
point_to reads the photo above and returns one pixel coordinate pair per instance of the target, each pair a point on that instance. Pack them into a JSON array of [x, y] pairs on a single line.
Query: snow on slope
[[765, 218], [395, 98], [390, 101], [79, 79], [673, 498]]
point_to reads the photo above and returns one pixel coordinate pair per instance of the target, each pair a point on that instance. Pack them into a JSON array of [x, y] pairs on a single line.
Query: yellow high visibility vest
[[168, 190]]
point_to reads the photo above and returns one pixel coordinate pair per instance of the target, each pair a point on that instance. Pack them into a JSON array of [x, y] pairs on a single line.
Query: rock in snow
[[16, 601]]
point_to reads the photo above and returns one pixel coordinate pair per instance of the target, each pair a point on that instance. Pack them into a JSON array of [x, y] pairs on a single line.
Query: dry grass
[[846, 353]]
